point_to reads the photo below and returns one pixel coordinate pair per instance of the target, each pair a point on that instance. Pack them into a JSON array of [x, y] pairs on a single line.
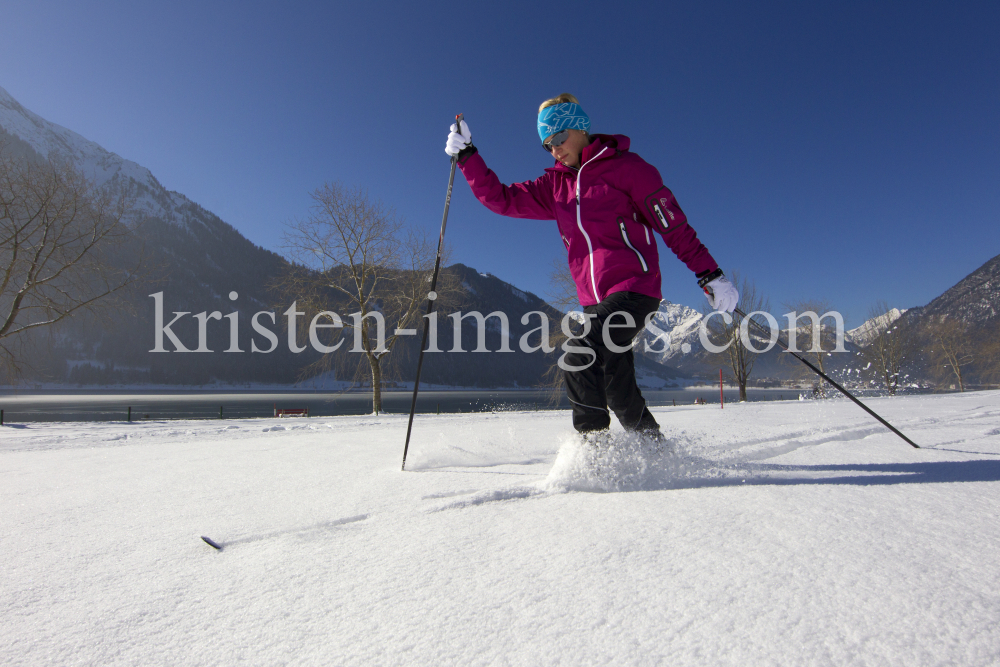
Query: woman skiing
[[605, 201]]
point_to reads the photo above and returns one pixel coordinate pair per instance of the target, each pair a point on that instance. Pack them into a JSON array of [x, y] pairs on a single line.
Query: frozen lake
[[65, 405]]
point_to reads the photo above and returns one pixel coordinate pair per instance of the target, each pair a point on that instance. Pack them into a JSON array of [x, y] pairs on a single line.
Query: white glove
[[458, 140], [722, 295]]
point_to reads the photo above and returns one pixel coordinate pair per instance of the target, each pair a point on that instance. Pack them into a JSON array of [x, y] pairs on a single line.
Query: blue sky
[[840, 150]]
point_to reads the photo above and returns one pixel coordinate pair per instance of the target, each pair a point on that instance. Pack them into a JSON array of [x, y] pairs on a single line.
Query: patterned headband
[[561, 117]]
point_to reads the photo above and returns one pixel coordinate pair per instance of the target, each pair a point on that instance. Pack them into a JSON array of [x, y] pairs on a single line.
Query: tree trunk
[[743, 391], [376, 383]]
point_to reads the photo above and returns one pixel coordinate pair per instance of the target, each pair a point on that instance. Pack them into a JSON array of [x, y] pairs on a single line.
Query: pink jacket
[[605, 211]]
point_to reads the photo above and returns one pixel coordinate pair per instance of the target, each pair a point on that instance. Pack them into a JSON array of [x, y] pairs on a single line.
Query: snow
[[782, 533], [523, 296]]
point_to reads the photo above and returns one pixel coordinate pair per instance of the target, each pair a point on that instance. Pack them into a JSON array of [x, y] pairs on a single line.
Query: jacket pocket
[[628, 242]]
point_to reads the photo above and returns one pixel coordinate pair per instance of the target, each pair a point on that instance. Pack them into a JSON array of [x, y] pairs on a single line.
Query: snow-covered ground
[[788, 533]]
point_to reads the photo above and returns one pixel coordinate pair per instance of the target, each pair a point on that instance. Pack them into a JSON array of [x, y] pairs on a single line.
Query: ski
[[210, 542]]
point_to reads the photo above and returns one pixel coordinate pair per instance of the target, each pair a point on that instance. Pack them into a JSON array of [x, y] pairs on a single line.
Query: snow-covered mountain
[[673, 331], [100, 165], [49, 139], [195, 258], [863, 334]]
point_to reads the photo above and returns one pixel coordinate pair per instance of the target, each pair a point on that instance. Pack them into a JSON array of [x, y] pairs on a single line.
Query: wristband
[[710, 277]]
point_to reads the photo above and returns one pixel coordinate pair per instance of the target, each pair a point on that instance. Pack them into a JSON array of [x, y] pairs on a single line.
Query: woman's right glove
[[459, 139], [722, 295]]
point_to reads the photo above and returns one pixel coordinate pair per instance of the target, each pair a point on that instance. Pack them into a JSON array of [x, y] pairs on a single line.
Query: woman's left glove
[[722, 295], [459, 139]]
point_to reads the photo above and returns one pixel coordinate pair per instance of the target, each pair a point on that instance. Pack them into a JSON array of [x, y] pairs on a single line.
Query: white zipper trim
[[621, 225], [659, 214], [579, 223]]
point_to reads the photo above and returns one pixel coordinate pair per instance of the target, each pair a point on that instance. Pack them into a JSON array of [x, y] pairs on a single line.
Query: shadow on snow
[[873, 474]]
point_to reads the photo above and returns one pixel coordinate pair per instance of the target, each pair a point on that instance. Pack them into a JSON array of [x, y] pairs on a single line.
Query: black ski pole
[[828, 379], [431, 296]]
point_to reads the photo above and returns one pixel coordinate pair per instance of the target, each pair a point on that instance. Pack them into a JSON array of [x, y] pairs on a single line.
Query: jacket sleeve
[[657, 204], [531, 199]]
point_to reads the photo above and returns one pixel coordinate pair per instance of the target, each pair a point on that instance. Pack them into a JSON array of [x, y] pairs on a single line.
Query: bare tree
[[886, 345], [722, 334], [991, 356], [60, 242], [561, 293], [354, 252], [952, 348]]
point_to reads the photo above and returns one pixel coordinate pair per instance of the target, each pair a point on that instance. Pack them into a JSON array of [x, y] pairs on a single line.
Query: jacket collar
[[614, 143]]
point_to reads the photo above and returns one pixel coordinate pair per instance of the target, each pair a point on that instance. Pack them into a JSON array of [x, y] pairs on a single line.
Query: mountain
[[974, 300], [679, 327], [196, 260], [47, 138]]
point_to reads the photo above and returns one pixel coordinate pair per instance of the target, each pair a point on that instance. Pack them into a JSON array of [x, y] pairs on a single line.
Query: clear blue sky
[[842, 150]]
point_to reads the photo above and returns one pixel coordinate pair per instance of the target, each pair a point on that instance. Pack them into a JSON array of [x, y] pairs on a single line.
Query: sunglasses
[[556, 139]]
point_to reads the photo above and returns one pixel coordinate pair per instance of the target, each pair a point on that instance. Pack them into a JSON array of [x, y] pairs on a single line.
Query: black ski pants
[[610, 380]]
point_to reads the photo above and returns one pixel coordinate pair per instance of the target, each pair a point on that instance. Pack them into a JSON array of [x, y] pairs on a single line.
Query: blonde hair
[[561, 99]]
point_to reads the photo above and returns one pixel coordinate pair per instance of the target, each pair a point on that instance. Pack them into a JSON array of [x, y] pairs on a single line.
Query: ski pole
[[431, 296], [828, 379]]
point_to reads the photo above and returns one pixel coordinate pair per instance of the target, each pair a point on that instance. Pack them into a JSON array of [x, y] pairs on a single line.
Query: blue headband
[[561, 117]]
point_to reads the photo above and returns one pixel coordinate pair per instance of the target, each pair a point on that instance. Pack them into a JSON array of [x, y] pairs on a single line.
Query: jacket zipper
[[663, 220], [579, 223], [621, 225]]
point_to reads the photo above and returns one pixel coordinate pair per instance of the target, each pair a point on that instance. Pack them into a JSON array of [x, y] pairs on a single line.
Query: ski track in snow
[[780, 533], [300, 533]]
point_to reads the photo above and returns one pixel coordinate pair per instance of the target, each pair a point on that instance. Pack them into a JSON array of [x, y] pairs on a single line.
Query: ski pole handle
[[458, 126]]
